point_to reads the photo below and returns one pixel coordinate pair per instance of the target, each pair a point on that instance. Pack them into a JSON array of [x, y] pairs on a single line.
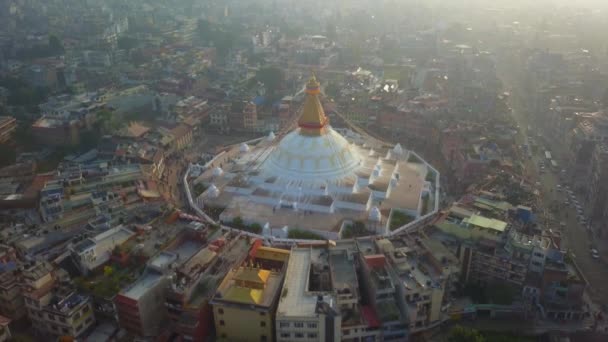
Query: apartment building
[[423, 278], [140, 306], [11, 300], [246, 300], [307, 310], [5, 331], [54, 308], [196, 282], [598, 188]]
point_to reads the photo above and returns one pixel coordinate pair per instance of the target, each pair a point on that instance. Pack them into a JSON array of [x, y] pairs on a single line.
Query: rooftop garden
[[108, 284], [304, 234], [199, 189], [355, 229], [430, 176], [399, 219], [414, 159], [388, 311], [426, 204], [238, 223]]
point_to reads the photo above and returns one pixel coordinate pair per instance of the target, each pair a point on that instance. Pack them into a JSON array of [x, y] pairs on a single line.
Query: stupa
[[315, 177]]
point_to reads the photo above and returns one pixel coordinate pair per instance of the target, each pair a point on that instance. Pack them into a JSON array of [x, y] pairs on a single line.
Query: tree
[[272, 78], [127, 43], [332, 89], [462, 334], [330, 31], [605, 98], [55, 45], [7, 155]]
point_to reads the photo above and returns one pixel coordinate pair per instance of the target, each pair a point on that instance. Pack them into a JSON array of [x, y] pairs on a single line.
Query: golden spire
[[312, 120]]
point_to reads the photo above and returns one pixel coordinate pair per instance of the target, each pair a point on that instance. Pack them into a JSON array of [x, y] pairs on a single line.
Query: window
[[263, 338], [86, 309], [65, 330], [77, 315], [220, 311], [51, 317], [222, 323], [79, 327], [298, 325], [312, 325], [62, 319], [224, 336], [312, 335], [284, 324], [285, 335], [262, 324], [262, 314], [299, 335], [89, 320]]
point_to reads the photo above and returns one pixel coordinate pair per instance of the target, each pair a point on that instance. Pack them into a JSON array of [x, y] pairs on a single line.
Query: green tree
[[7, 155], [55, 46], [461, 334], [272, 78], [127, 43], [330, 31], [332, 89], [605, 98]]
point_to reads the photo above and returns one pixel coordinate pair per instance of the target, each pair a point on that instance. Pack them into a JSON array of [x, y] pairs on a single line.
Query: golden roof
[[312, 120], [253, 275], [244, 295]]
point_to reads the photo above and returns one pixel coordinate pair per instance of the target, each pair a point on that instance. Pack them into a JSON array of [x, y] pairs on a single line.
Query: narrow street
[[559, 216]]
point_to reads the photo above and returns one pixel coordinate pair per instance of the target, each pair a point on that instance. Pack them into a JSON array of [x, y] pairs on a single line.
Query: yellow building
[[246, 300]]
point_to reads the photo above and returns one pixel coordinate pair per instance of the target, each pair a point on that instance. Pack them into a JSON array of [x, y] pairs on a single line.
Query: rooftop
[[250, 286], [343, 271], [297, 298], [485, 222], [148, 280]]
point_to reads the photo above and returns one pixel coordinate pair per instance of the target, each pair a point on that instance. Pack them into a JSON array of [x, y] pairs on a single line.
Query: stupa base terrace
[[323, 186]]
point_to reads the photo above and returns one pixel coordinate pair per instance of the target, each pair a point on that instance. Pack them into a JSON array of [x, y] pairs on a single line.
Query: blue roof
[[9, 266], [259, 100]]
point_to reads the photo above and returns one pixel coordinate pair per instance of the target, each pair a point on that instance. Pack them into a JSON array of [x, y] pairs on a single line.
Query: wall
[[241, 325]]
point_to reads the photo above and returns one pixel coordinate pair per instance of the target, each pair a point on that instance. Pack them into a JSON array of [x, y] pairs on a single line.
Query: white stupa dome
[[375, 214], [213, 191], [244, 148], [398, 149], [327, 156], [217, 172], [270, 136]]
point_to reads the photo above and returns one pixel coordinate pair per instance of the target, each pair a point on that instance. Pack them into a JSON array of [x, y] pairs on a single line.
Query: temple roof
[[312, 120]]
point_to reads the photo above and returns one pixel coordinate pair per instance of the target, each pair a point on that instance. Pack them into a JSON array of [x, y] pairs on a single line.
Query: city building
[[141, 305], [5, 331], [95, 251], [52, 131], [11, 300], [598, 187], [246, 300], [307, 310], [53, 307], [196, 282]]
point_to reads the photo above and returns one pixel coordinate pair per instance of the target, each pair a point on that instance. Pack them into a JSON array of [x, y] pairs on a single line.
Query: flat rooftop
[[148, 280], [343, 270], [298, 301]]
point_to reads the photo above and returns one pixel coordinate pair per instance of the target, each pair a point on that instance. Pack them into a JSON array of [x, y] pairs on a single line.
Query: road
[[553, 210]]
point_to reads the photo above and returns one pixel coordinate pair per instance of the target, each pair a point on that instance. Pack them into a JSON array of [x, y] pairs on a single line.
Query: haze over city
[[303, 170]]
